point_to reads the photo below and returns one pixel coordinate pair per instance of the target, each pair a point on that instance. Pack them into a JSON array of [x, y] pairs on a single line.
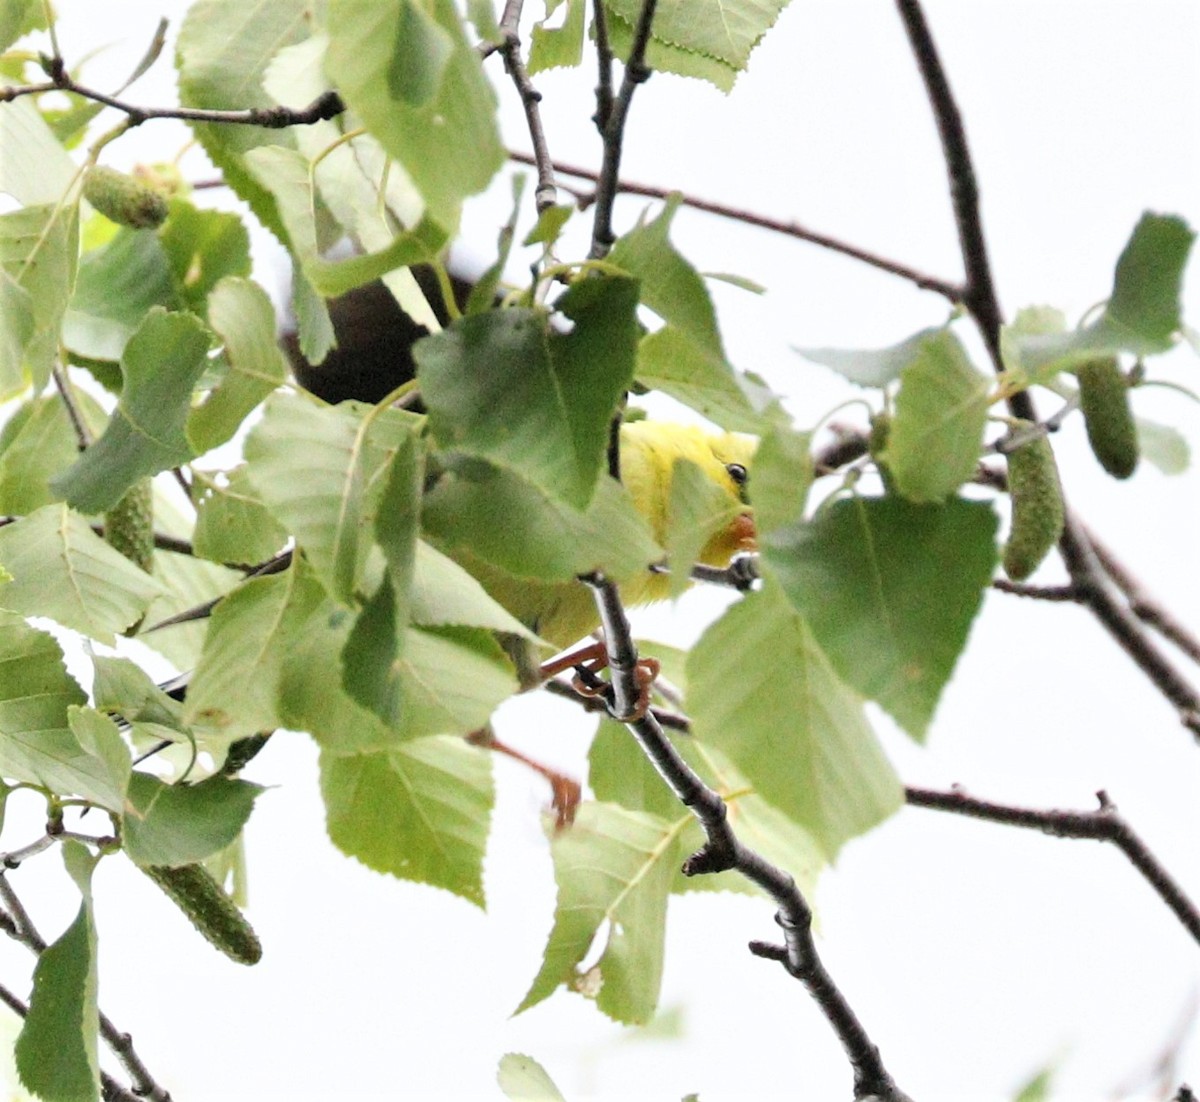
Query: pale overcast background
[[974, 954]]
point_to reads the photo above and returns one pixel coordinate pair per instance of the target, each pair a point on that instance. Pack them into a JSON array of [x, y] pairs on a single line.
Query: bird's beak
[[745, 533]]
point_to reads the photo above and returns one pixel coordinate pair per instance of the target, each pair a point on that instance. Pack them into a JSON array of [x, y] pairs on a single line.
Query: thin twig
[[723, 850], [82, 437], [1141, 604], [1105, 824], [275, 565], [951, 291], [328, 105], [1065, 593], [604, 64], [612, 133], [546, 194]]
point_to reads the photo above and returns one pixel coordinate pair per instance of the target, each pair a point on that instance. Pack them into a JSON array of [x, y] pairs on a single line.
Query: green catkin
[[129, 525], [1104, 399], [1037, 506], [124, 199], [210, 910]]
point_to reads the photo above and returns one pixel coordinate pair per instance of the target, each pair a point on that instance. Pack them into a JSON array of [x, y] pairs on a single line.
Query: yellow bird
[[563, 614]]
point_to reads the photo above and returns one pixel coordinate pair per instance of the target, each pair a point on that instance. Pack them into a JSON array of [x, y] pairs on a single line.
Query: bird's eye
[[737, 472]]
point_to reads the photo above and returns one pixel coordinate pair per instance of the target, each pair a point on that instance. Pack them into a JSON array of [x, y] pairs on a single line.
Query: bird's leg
[[565, 791], [588, 661]]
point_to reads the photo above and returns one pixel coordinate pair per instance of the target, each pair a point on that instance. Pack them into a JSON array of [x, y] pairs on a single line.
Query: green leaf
[[232, 523], [56, 1051], [240, 313], [34, 168], [422, 51], [250, 638], [419, 812], [483, 295], [177, 824], [664, 57], [16, 331], [509, 523], [555, 47], [99, 737], [871, 367], [329, 501], [18, 18], [285, 174], [727, 30], [1144, 305], [371, 670], [523, 1079], [161, 363], [612, 867], [697, 508], [788, 722], [123, 688], [37, 443], [39, 248], [46, 738], [445, 135], [202, 248], [936, 431], [117, 285], [889, 590], [671, 361], [1163, 445], [503, 386], [781, 478], [444, 593], [62, 569], [222, 53]]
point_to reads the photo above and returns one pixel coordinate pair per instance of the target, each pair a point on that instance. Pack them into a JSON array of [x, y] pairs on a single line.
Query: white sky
[[973, 954]]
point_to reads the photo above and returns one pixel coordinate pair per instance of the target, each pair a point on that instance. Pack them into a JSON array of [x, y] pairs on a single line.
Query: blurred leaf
[[1144, 305], [523, 1079], [38, 442], [371, 669], [98, 736], [223, 71], [697, 509], [509, 523], [19, 17], [444, 593], [37, 744], [62, 569], [483, 294], [781, 478], [329, 501], [123, 688], [34, 168], [39, 248], [788, 723], [555, 47], [161, 363], [117, 285], [232, 523], [504, 386], [285, 174], [1163, 445], [871, 367], [664, 57], [56, 1051], [16, 330], [250, 638], [446, 137], [240, 313], [177, 824], [202, 248], [613, 869], [936, 432], [420, 812], [864, 574]]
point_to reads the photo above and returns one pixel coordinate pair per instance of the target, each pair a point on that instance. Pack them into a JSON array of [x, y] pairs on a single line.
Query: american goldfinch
[[564, 613]]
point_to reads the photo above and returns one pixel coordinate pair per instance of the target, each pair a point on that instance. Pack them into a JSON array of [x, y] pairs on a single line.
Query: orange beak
[[744, 532]]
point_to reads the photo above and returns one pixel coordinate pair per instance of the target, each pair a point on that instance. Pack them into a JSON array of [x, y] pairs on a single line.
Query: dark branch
[[926, 282], [1104, 824]]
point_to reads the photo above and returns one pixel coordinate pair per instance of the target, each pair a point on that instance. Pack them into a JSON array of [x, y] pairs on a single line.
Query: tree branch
[[926, 282], [328, 105], [1104, 824], [612, 132]]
